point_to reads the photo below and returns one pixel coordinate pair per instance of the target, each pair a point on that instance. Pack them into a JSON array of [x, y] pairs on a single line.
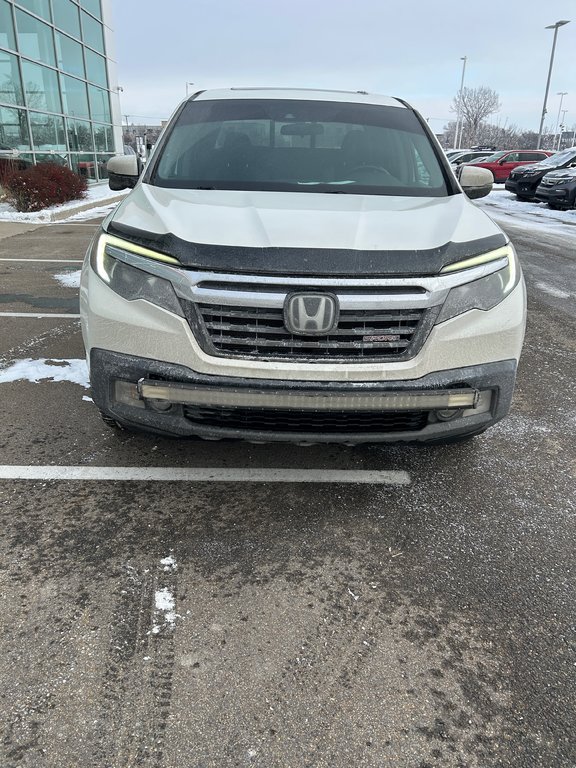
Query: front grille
[[325, 422], [249, 332]]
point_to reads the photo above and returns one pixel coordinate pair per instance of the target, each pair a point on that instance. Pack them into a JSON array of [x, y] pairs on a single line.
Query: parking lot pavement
[[422, 618]]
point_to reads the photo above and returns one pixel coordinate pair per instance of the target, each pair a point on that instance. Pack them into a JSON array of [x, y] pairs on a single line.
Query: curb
[[59, 215]]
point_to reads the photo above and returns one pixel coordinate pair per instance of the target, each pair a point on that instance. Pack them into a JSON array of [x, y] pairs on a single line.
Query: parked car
[[469, 156], [558, 189], [501, 163], [524, 181], [301, 266]]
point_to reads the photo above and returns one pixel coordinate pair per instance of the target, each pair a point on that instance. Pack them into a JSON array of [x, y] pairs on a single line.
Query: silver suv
[[301, 266]]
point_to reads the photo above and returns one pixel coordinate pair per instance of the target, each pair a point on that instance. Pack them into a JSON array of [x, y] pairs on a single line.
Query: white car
[[301, 266]]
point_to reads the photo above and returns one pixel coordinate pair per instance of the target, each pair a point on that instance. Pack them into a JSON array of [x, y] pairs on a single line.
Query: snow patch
[[165, 603], [46, 369], [506, 208], [169, 563], [560, 294], [99, 192], [69, 279]]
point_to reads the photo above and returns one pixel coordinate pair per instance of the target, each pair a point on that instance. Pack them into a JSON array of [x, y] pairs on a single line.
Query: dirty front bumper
[[564, 196], [521, 187], [176, 401]]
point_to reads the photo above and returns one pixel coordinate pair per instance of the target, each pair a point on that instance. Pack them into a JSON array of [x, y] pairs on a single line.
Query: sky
[[411, 49]]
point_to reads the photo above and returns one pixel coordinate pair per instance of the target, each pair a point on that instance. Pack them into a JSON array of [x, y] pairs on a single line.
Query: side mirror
[[123, 171], [476, 182], [504, 160]]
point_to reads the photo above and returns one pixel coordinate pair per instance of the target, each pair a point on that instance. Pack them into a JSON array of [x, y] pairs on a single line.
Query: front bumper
[[562, 196], [174, 400], [521, 187]]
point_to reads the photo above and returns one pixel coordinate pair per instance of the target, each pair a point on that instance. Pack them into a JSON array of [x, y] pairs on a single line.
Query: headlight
[[486, 292], [109, 258], [564, 180]]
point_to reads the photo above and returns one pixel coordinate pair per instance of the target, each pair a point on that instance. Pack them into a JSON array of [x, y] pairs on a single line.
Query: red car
[[501, 163]]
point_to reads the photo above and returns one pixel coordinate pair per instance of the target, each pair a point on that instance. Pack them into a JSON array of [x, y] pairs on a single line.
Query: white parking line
[[47, 261], [203, 475], [36, 315]]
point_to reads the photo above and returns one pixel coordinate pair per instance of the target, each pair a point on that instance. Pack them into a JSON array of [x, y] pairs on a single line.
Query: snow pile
[[507, 209], [46, 369], [99, 192]]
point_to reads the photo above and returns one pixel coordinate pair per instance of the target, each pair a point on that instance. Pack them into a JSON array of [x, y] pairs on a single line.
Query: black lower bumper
[[564, 197], [522, 188], [114, 378]]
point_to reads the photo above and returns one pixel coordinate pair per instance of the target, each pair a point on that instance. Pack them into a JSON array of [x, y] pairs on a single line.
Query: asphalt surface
[[197, 625]]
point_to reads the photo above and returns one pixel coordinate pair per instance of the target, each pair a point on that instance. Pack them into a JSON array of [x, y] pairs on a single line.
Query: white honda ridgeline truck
[[301, 265]]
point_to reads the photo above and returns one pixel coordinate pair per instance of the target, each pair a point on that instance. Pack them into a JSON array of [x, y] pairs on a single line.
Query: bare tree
[[475, 105]]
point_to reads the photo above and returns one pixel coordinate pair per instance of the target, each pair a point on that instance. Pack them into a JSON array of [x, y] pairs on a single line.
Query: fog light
[[447, 414], [160, 405]]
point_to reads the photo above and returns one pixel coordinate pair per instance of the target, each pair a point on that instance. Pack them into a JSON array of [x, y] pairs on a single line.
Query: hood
[[305, 233], [561, 173]]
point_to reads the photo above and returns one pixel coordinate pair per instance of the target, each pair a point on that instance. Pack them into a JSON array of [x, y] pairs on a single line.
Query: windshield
[[494, 157], [559, 158], [299, 146]]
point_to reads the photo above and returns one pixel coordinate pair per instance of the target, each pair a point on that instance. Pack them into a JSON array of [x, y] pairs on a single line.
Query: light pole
[[458, 138], [561, 94], [187, 84], [555, 27], [562, 129]]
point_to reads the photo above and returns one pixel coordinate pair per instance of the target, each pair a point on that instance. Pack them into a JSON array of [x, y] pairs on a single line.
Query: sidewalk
[[99, 200]]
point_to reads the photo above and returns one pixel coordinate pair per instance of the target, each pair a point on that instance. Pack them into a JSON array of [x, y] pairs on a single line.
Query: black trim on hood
[[332, 262]]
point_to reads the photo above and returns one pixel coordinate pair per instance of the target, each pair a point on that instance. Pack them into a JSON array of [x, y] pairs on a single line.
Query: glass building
[[58, 89]]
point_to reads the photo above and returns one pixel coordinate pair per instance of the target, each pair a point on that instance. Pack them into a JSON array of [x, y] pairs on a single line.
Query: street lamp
[[555, 27], [187, 84], [562, 129], [458, 138], [561, 94]]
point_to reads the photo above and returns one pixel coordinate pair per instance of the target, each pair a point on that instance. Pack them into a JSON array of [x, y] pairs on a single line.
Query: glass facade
[[55, 98]]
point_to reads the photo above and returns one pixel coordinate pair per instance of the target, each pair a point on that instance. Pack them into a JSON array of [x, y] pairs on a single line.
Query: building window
[[66, 16], [99, 104], [13, 129], [93, 7], [79, 135], [7, 39], [69, 54], [102, 164], [74, 97], [10, 83], [56, 158], [35, 38], [104, 138], [41, 87], [92, 33], [84, 165], [39, 7], [47, 132], [96, 68]]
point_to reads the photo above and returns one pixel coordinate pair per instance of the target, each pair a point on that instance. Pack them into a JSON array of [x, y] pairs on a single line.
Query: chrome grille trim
[[258, 332]]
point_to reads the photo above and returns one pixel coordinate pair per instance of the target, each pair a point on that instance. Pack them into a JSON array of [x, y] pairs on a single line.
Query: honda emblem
[[311, 314]]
